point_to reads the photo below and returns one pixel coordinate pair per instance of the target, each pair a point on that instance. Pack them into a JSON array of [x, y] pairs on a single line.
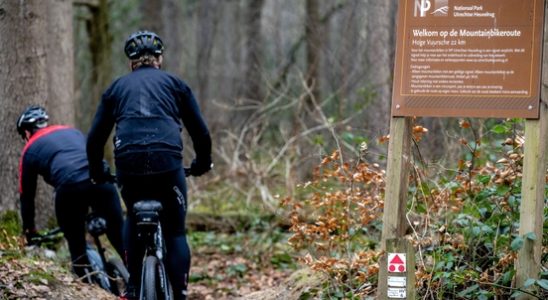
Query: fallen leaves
[[26, 278], [222, 276]]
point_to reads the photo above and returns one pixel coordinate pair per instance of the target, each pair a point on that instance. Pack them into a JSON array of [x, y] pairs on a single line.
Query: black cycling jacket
[[147, 106], [57, 153]]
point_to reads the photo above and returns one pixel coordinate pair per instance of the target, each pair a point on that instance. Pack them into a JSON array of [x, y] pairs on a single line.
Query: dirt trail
[[214, 275]]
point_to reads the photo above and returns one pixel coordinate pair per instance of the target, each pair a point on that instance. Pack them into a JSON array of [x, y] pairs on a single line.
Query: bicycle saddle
[[147, 214]]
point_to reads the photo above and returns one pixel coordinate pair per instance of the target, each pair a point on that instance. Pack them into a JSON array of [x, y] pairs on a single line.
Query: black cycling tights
[[170, 189], [72, 203]]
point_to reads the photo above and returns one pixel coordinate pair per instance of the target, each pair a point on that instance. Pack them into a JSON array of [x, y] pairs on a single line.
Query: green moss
[[52, 223], [10, 228], [9, 221], [41, 277]]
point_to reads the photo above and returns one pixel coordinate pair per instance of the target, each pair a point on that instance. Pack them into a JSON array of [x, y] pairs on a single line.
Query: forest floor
[[223, 267], [221, 276]]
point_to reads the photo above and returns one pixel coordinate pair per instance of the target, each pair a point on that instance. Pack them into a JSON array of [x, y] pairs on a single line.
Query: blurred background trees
[[280, 82]]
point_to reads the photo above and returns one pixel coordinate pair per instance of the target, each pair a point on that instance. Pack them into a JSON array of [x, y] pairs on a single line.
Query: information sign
[[468, 58]]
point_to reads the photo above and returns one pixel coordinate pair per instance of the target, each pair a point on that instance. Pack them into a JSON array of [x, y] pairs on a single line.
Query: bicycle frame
[[149, 231]]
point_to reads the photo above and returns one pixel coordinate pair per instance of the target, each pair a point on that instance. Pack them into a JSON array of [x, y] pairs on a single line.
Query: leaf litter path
[[221, 276], [213, 275]]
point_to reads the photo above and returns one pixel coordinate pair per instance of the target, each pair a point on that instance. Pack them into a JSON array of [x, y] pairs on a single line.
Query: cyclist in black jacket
[[147, 107], [58, 154]]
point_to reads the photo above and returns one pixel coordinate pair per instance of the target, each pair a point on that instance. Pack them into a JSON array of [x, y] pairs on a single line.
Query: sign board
[[396, 262], [397, 281], [397, 293], [468, 58]]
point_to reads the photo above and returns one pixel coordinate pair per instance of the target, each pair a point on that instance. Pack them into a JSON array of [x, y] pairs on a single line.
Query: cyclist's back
[[57, 153], [148, 105], [149, 108]]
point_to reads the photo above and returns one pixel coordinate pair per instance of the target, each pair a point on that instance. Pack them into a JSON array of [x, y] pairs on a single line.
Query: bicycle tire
[[155, 285], [118, 276], [98, 269]]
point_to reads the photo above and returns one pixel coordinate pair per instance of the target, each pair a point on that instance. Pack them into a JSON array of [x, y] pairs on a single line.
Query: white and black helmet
[[34, 117]]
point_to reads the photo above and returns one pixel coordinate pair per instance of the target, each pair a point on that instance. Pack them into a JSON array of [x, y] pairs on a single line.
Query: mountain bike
[[155, 282], [109, 273]]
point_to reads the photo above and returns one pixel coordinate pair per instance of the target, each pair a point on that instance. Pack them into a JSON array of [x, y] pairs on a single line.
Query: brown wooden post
[[395, 199], [397, 179], [535, 164], [532, 201]]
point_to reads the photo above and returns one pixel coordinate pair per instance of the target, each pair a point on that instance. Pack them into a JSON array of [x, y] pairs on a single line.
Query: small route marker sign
[[397, 293], [397, 281], [396, 262]]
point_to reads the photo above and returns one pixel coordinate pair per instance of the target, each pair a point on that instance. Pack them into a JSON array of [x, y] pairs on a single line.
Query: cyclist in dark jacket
[[147, 107], [58, 154]]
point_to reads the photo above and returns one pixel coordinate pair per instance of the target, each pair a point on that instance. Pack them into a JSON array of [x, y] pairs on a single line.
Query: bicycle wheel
[[117, 275], [155, 285], [98, 274]]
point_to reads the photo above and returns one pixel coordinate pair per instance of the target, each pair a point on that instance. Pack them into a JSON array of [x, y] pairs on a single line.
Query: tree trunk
[[100, 45], [307, 109], [172, 35], [23, 44], [208, 16], [313, 43], [60, 93], [341, 69], [380, 37], [60, 64], [164, 18], [152, 16], [250, 92], [252, 51]]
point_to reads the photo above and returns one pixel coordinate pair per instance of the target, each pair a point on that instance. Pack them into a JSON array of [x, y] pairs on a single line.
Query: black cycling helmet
[[33, 117], [142, 42]]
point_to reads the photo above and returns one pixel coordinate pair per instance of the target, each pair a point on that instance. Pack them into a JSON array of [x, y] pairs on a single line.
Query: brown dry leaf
[[464, 123], [384, 139]]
